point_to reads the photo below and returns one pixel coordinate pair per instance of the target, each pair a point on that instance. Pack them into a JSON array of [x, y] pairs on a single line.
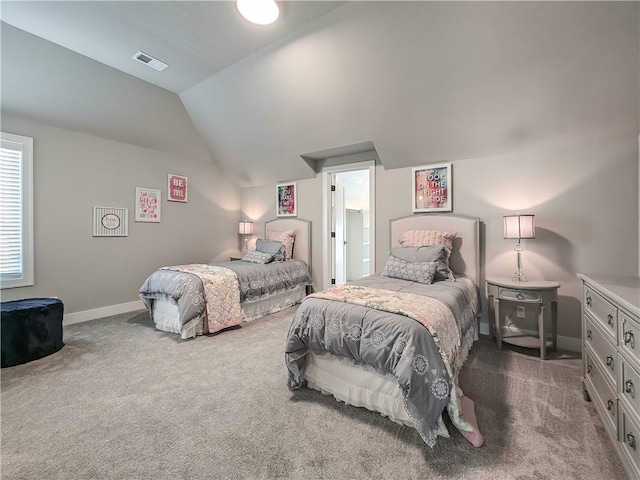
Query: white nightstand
[[543, 293]]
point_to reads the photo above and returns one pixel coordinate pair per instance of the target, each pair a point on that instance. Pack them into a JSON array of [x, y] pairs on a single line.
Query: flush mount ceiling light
[[262, 12]]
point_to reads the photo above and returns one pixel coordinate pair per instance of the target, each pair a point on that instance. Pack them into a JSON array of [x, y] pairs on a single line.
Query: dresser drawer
[[601, 310], [629, 385], [519, 295], [604, 393], [629, 335], [605, 352], [630, 437]]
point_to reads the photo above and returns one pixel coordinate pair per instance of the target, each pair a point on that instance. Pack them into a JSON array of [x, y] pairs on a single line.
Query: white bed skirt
[[166, 318], [359, 387]]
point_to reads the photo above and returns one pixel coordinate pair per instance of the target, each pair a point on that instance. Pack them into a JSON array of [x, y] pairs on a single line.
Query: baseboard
[[570, 344], [101, 312]]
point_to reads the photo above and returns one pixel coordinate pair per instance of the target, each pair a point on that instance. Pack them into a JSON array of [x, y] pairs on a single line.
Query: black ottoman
[[31, 329]]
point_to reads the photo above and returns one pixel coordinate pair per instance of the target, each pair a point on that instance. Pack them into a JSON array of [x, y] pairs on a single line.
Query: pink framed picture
[[432, 188], [177, 188], [148, 204], [286, 200]]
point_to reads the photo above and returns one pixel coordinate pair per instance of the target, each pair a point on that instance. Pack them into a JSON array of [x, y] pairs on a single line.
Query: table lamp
[[245, 227], [518, 227]]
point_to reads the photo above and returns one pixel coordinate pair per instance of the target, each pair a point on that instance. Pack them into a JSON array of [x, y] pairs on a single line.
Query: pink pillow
[[425, 238], [286, 237]]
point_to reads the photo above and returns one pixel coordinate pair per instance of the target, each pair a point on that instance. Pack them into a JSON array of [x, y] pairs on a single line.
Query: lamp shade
[[245, 227], [519, 226]]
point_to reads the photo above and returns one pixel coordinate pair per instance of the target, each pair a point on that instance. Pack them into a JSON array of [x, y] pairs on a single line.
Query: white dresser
[[611, 359]]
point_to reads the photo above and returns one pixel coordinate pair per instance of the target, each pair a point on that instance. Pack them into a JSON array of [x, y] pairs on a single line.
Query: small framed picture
[[177, 188], [147, 205], [110, 222], [432, 188], [286, 200]]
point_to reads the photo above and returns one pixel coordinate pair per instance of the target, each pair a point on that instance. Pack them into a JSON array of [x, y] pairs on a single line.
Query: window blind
[[16, 264]]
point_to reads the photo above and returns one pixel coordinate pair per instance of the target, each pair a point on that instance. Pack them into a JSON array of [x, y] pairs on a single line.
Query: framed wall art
[[177, 188], [432, 188], [147, 205], [110, 222], [286, 200]]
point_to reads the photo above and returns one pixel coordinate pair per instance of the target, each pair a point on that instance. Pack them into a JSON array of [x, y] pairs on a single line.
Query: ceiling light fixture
[[261, 12]]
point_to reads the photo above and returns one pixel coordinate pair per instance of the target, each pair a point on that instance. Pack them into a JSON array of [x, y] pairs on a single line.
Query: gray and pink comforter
[[419, 334]]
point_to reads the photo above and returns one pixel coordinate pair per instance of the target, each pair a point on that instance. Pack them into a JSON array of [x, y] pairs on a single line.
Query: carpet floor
[[123, 400]]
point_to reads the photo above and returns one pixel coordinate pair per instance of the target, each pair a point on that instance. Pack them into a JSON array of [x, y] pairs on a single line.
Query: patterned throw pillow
[[421, 272], [271, 246], [255, 256], [433, 253], [286, 238], [424, 238]]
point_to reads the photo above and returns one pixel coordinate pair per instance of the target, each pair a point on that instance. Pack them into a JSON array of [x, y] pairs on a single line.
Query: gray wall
[[99, 133], [535, 104], [73, 172], [584, 196]]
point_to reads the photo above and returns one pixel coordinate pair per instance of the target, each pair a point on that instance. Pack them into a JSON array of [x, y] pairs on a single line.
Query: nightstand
[[542, 293]]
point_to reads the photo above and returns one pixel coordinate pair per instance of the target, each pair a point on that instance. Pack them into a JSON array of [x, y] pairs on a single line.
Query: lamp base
[[246, 245], [519, 276]]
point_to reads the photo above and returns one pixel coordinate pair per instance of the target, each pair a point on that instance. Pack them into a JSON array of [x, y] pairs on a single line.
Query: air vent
[[150, 61]]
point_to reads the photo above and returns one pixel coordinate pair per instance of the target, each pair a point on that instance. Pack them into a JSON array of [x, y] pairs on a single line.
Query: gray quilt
[[256, 281], [390, 343]]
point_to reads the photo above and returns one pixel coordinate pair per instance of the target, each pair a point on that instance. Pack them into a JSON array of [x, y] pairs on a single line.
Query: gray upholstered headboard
[[302, 244], [465, 258]]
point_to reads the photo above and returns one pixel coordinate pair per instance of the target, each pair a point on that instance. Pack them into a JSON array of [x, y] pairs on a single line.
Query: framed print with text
[[177, 188], [286, 200], [432, 188], [147, 205]]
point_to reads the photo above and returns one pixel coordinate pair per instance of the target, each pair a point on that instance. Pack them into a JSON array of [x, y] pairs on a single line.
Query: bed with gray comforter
[[418, 334], [193, 291]]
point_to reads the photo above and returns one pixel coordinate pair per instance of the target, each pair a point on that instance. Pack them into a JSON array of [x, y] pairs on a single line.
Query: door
[[348, 187], [339, 243], [354, 235]]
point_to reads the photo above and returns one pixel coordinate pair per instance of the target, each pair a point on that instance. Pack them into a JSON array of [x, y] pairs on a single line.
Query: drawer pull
[[610, 319], [631, 440], [589, 334], [610, 405], [519, 296], [628, 386], [588, 301], [610, 361], [589, 368], [628, 337]]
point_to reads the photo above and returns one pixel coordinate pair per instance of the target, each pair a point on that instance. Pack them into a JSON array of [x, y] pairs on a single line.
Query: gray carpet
[[124, 401]]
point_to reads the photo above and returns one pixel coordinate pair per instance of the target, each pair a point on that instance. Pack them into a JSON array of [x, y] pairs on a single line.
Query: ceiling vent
[[150, 61]]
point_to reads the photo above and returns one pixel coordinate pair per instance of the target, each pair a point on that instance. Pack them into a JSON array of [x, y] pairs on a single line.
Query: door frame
[[327, 267]]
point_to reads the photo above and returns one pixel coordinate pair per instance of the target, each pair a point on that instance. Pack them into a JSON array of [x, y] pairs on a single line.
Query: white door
[[353, 189], [339, 239], [354, 234]]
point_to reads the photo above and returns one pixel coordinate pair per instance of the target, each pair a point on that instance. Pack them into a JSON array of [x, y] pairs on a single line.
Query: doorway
[[349, 222]]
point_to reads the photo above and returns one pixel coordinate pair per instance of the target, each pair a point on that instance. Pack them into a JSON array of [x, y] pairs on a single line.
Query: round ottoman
[[31, 329]]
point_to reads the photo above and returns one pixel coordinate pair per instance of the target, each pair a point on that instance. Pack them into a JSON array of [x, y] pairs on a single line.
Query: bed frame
[[363, 388]]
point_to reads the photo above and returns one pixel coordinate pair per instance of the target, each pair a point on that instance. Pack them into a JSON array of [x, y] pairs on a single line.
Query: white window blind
[[16, 231]]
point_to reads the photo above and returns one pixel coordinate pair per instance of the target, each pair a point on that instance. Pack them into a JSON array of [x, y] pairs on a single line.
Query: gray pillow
[[434, 253], [273, 247], [421, 272], [255, 256]]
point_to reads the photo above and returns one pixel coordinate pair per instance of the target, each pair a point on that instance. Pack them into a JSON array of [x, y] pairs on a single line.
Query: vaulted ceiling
[[419, 82]]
